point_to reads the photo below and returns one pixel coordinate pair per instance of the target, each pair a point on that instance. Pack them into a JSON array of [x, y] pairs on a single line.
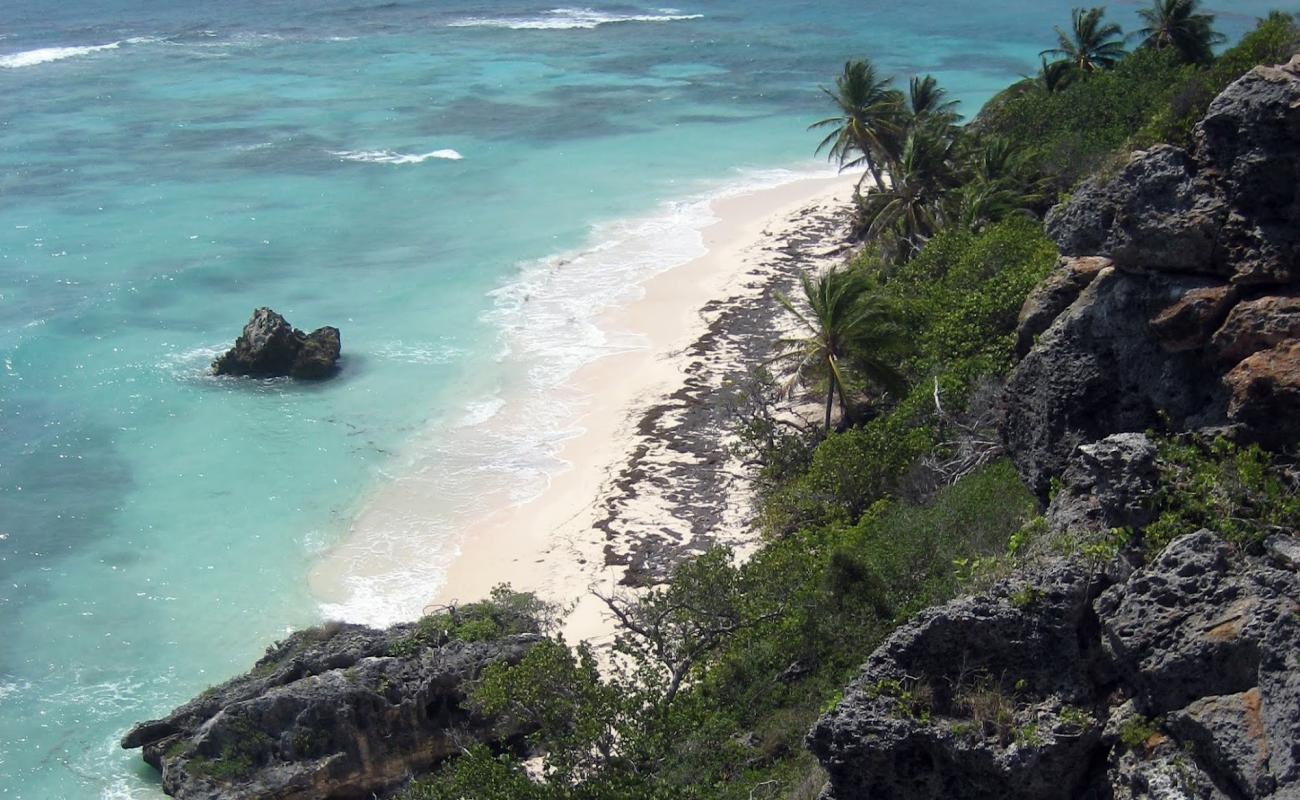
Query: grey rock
[[1098, 371], [269, 347], [1165, 773], [1229, 732], [1106, 484], [1020, 640], [1053, 296], [1195, 625], [1254, 325], [1285, 550], [341, 711], [1227, 208], [1248, 146], [1196, 325], [1151, 215], [1204, 639]]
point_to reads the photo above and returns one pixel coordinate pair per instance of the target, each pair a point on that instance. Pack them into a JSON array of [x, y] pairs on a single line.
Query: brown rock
[[1255, 325], [1265, 391], [1190, 322], [1230, 730]]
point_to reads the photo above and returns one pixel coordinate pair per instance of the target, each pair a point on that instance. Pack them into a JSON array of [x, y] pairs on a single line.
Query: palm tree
[[1001, 181], [1181, 25], [914, 205], [929, 101], [845, 326], [867, 121], [1091, 44]]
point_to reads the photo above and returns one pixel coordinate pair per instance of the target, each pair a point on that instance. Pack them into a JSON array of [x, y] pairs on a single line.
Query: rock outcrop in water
[[1176, 306], [341, 711], [270, 347], [1177, 303]]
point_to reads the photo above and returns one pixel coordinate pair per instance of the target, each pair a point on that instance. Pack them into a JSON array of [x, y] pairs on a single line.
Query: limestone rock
[[1106, 484], [1189, 323], [1193, 327], [908, 728], [1054, 295], [1248, 146], [1254, 325], [1229, 730], [341, 711], [1098, 371], [270, 347], [1204, 639], [1266, 394], [1149, 216]]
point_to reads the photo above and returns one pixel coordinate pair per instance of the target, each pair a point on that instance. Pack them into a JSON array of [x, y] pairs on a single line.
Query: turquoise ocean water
[[459, 186]]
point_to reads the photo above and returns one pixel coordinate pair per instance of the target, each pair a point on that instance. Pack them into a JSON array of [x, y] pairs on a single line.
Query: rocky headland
[[339, 711]]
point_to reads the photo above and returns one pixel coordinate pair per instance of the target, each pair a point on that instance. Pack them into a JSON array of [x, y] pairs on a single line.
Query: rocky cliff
[[1177, 301], [340, 711], [1172, 674]]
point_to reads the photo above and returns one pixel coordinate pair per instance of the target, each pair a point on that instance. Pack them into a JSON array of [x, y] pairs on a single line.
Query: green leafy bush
[[1236, 492], [505, 613]]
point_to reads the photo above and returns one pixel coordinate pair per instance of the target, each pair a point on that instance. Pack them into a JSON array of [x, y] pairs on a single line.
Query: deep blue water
[[168, 165]]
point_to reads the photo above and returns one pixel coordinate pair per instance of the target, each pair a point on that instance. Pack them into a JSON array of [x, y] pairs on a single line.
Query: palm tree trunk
[[830, 405]]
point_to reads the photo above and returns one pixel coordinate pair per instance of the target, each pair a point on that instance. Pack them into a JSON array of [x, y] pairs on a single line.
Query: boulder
[[1189, 323], [1107, 484], [1192, 327], [1266, 394], [1248, 150], [1150, 215], [270, 347], [1216, 640], [341, 711], [982, 698], [1254, 325]]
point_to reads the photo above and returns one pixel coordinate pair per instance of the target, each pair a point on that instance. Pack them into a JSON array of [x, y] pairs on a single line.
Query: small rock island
[[270, 347]]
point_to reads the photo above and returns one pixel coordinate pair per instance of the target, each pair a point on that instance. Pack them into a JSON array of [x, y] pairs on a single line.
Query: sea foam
[[569, 19], [390, 157], [43, 55]]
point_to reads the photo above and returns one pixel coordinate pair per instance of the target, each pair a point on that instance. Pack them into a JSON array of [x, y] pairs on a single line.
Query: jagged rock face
[[1098, 370], [1195, 324], [971, 660], [270, 347], [1208, 641], [342, 711], [1107, 484]]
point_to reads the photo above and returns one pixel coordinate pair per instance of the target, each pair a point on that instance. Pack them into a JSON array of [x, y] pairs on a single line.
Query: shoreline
[[616, 512]]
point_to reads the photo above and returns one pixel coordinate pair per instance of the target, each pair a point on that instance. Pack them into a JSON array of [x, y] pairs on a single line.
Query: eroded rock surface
[[341, 711], [1195, 324], [1182, 680], [270, 347]]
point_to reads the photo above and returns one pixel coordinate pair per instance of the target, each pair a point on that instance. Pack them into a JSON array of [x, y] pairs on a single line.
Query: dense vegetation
[[903, 498]]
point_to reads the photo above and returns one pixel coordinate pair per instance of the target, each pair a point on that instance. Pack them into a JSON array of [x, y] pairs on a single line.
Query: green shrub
[[1273, 41], [505, 613], [1236, 492], [1137, 731]]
